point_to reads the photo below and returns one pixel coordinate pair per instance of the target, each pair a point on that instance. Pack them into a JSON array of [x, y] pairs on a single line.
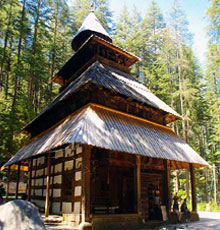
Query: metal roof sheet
[[92, 23], [110, 129], [115, 80]]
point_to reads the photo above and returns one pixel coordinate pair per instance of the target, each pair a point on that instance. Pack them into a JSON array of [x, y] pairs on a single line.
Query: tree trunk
[[5, 47], [206, 189], [54, 47], [181, 79], [8, 70], [31, 82], [17, 75]]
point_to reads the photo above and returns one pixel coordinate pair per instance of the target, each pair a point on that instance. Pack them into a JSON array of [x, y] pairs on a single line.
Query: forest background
[[35, 42]]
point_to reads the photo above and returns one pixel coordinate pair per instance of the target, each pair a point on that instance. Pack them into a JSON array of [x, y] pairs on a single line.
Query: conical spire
[[91, 25]]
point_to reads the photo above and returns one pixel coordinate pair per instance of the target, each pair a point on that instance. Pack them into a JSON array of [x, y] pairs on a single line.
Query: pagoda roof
[[91, 25], [117, 81], [73, 64], [106, 128]]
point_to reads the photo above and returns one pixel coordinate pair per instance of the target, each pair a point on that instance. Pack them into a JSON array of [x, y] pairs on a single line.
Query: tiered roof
[[98, 62], [109, 129]]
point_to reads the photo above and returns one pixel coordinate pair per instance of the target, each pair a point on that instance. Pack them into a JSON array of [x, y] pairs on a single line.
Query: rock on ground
[[20, 215]]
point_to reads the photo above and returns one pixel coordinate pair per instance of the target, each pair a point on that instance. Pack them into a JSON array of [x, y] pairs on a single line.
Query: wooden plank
[[78, 72], [138, 184], [8, 180], [62, 184], [52, 185], [113, 64], [86, 177], [48, 185], [167, 185], [30, 179], [18, 179], [193, 187], [117, 49]]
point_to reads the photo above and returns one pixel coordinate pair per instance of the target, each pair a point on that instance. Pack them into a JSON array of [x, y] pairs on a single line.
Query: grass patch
[[211, 207]]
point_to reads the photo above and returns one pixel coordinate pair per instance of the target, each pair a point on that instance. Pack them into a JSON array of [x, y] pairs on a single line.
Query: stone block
[[78, 162], [58, 154], [78, 149], [56, 207], [194, 216], [78, 191], [76, 207], [66, 207], [57, 179], [68, 165], [56, 192], [78, 176], [58, 168]]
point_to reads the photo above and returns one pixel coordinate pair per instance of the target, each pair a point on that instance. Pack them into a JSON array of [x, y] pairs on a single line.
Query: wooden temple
[[101, 149]]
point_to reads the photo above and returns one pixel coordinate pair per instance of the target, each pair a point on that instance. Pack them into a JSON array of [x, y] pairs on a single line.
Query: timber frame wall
[[67, 189], [65, 180]]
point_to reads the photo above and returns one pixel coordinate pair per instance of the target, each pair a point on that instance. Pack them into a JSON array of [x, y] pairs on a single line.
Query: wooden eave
[[120, 98], [89, 63], [110, 84], [86, 46], [132, 58], [143, 137]]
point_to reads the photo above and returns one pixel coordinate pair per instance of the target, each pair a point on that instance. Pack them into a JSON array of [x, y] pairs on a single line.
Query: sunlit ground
[[208, 221]]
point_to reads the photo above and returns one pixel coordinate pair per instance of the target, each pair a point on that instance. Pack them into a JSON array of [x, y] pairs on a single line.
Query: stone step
[[52, 219]]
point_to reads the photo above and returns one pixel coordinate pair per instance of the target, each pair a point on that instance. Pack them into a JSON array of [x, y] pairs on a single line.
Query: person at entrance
[[176, 206], [176, 203], [185, 210], [157, 210]]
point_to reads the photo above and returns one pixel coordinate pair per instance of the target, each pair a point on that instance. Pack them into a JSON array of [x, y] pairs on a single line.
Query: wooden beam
[[117, 49], [167, 185], [48, 186], [18, 179], [86, 172], [138, 184], [8, 181], [113, 64], [193, 187], [30, 179], [62, 190]]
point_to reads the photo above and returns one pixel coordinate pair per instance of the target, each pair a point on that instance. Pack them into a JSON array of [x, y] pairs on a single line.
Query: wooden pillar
[[48, 186], [193, 187], [18, 179], [138, 184], [86, 173], [8, 181], [167, 185], [30, 179]]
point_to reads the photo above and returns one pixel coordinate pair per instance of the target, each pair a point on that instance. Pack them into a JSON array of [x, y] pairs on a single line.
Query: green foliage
[[213, 14], [211, 207], [35, 42]]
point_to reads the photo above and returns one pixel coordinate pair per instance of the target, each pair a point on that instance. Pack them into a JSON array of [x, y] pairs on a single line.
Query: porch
[[105, 162], [101, 187]]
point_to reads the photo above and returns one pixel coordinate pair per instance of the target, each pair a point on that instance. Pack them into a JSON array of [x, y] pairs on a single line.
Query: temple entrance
[[112, 186], [152, 191]]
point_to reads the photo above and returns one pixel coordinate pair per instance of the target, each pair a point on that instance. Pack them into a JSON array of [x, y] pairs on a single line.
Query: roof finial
[[93, 6]]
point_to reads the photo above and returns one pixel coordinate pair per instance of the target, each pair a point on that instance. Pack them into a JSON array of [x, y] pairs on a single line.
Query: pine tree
[[153, 27]]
